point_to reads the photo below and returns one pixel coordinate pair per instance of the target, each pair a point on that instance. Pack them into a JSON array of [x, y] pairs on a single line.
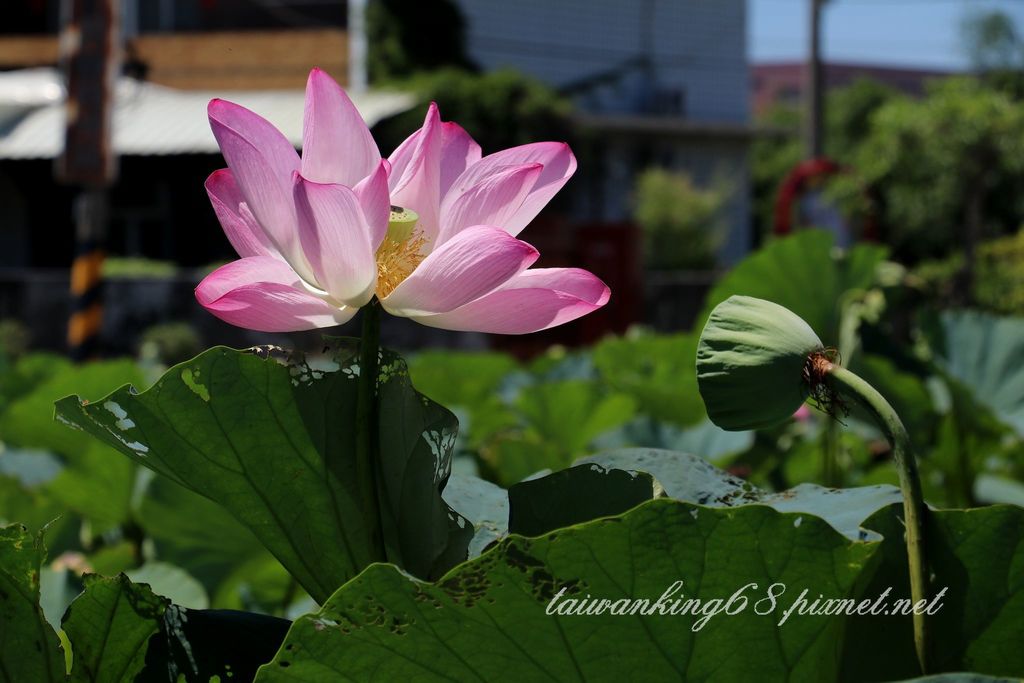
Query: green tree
[[778, 149], [499, 109], [995, 48], [406, 38], [947, 170], [681, 223], [992, 40]]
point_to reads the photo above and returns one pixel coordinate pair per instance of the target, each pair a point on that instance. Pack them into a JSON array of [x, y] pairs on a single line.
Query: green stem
[[914, 509], [963, 480], [366, 428]]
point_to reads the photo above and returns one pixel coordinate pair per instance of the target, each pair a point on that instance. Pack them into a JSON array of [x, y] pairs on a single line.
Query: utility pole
[[90, 60], [813, 86], [357, 47]]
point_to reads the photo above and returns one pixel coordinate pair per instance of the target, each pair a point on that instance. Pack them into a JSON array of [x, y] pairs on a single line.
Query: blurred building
[[657, 83], [177, 56], [783, 82]]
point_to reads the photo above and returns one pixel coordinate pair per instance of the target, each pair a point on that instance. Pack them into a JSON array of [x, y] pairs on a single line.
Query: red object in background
[[609, 250], [803, 176], [795, 185], [612, 252]]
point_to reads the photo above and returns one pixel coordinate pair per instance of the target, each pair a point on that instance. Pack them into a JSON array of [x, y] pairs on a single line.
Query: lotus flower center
[[400, 252]]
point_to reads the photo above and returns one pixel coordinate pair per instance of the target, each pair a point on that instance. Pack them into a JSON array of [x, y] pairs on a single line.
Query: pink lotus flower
[[317, 240]]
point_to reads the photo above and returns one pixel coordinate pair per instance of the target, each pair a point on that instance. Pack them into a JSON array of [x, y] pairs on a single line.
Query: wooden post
[[357, 48], [814, 85], [90, 60]]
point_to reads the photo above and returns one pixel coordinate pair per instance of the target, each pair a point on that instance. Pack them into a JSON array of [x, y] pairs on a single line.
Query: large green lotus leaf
[[576, 495], [961, 678], [95, 482], [979, 555], [542, 504], [509, 457], [989, 488], [23, 376], [28, 421], [109, 626], [197, 534], [481, 502], [558, 364], [554, 422], [272, 440], [657, 371], [570, 414], [692, 479], [172, 582], [31, 467], [612, 482], [706, 439], [804, 273], [983, 353], [57, 588], [469, 383], [211, 645], [261, 585], [123, 631], [460, 378], [29, 648], [486, 620], [32, 506]]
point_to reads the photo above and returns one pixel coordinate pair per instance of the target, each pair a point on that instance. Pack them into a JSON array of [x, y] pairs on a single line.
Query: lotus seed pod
[[400, 223], [750, 363]]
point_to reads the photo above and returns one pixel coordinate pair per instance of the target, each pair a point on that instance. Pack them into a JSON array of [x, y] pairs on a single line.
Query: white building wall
[[696, 70], [696, 47]]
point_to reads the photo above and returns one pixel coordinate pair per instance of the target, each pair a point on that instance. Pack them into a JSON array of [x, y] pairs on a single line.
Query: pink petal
[[559, 165], [240, 226], [415, 173], [372, 193], [459, 151], [492, 201], [466, 267], [262, 162], [336, 143], [532, 301], [262, 293], [336, 240], [404, 154]]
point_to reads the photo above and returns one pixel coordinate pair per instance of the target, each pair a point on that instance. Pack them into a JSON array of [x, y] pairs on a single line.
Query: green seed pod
[[400, 223], [751, 360]]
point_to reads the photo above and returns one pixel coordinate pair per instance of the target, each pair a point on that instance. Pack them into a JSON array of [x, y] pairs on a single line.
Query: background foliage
[[560, 444]]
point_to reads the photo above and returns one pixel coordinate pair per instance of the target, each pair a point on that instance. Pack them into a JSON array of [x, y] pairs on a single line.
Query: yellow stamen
[[400, 252]]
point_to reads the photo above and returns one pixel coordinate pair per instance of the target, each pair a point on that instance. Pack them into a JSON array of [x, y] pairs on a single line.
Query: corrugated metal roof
[[151, 119]]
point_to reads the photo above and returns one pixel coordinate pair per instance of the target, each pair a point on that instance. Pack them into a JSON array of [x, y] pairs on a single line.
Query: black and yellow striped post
[[87, 276], [90, 60]]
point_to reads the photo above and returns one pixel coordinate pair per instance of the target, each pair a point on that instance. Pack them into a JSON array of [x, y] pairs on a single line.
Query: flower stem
[[366, 428], [846, 382]]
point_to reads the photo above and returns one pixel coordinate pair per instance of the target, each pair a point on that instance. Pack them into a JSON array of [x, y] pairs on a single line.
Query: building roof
[[664, 126], [783, 82], [151, 119]]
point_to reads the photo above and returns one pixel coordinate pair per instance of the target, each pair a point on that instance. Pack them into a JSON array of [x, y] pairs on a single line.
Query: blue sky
[[923, 33]]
